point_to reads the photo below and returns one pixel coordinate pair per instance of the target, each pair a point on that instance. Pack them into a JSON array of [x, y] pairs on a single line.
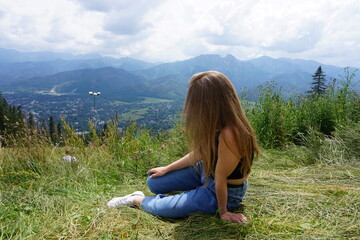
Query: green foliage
[[53, 133], [319, 83], [31, 121], [11, 123], [175, 143], [60, 134], [271, 117], [279, 122], [93, 136], [348, 101], [71, 138], [317, 113]]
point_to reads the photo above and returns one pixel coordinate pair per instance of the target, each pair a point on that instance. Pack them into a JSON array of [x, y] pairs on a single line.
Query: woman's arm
[[228, 159], [188, 160]]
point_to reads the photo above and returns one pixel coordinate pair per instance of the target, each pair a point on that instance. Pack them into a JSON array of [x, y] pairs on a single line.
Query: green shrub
[[280, 121], [271, 117]]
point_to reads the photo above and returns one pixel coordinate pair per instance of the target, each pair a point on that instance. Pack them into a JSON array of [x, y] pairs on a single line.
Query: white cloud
[[122, 17], [48, 25], [165, 30]]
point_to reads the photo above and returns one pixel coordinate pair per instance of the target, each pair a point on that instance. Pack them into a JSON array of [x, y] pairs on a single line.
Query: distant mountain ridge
[[17, 71], [128, 78], [291, 75], [11, 56], [241, 73], [108, 80]]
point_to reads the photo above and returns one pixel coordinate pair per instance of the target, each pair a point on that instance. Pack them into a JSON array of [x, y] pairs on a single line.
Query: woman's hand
[[157, 172], [233, 217]]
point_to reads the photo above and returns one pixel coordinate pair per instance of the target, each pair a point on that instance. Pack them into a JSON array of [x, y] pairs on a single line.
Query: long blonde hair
[[211, 105]]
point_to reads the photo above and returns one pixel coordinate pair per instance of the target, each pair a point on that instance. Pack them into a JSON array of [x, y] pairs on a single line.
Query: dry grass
[[285, 200]]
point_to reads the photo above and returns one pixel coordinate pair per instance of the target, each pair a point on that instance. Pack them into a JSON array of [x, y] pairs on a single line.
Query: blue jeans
[[198, 195]]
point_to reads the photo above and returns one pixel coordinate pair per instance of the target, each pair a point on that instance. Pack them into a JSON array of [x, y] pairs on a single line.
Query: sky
[[327, 31]]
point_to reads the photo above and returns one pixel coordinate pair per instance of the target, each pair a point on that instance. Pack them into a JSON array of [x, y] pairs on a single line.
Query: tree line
[[14, 125]]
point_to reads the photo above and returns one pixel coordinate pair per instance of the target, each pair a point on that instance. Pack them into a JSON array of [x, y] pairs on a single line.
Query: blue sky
[[327, 31]]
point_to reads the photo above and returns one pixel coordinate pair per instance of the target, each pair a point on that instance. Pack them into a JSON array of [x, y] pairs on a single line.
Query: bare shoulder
[[230, 137], [230, 134]]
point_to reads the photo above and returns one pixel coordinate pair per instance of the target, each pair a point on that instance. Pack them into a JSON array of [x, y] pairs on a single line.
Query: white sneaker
[[125, 200]]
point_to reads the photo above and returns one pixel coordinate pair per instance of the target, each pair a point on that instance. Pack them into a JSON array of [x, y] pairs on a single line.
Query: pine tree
[[14, 122], [11, 122], [53, 130], [31, 122], [3, 113], [319, 83], [60, 133], [20, 118]]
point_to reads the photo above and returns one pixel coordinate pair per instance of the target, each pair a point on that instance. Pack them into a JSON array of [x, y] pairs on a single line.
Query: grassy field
[[133, 114], [43, 197], [147, 100], [155, 100]]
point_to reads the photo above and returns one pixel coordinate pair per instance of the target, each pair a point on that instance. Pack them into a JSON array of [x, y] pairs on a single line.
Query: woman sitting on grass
[[214, 174]]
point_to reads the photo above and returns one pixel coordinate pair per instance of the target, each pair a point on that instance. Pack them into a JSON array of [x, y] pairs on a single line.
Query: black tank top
[[236, 174]]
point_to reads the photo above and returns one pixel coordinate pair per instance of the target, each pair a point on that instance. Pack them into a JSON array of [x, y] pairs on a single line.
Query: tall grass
[[44, 197], [321, 123], [303, 187]]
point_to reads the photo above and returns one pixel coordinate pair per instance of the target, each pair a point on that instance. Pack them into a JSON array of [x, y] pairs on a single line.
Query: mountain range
[[127, 78]]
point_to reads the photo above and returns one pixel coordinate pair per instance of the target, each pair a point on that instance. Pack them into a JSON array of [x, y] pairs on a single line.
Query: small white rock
[[69, 158]]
